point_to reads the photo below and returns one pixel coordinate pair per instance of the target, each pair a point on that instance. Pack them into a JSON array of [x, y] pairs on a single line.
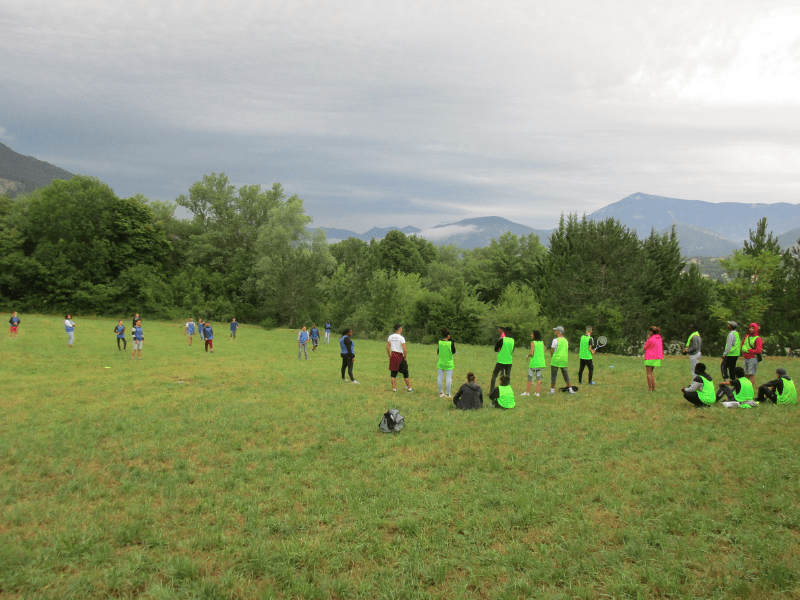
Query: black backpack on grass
[[392, 421]]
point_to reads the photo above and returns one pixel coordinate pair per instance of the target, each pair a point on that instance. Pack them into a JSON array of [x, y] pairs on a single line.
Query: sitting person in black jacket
[[469, 395]]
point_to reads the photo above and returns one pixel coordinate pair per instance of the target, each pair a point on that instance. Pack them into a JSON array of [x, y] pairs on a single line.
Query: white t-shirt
[[554, 345], [396, 342]]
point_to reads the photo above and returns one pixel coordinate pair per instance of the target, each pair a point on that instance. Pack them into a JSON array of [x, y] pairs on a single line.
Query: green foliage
[[455, 307], [518, 308]]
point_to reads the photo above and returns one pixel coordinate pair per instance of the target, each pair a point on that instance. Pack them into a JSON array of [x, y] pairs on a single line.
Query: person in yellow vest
[[739, 391], [504, 348], [752, 347], [559, 358], [503, 396], [586, 355], [701, 392], [733, 348], [780, 391], [446, 349], [537, 363], [694, 345]]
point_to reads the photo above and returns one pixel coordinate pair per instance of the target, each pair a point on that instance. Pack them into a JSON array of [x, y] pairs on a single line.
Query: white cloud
[[438, 233], [5, 136]]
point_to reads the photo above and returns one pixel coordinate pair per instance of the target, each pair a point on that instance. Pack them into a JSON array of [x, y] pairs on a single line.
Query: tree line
[[248, 253]]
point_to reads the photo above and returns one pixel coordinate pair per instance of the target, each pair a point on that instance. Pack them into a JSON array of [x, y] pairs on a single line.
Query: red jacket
[[755, 340]]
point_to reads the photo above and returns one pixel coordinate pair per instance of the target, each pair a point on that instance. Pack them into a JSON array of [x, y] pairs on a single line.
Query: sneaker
[[448, 396], [441, 395], [591, 383], [536, 394], [552, 391], [524, 394], [394, 390], [408, 389], [571, 391], [354, 381]]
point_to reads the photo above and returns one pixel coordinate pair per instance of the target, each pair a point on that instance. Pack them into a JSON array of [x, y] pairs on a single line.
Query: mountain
[[479, 232], [337, 235], [22, 174], [696, 241], [789, 238]]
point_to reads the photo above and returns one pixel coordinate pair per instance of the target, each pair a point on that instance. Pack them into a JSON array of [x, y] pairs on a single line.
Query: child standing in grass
[[14, 323], [120, 331], [302, 342], [559, 359], [138, 340], [70, 328], [586, 355], [190, 329], [201, 330], [234, 327], [653, 353], [314, 338], [208, 336], [348, 353], [537, 362], [446, 349]]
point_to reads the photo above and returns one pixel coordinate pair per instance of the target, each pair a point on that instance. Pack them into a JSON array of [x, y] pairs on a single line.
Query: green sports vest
[[560, 356], [584, 351], [789, 394], [506, 398], [707, 395], [504, 356], [749, 343], [689, 341], [737, 345], [445, 356], [537, 360], [746, 393]]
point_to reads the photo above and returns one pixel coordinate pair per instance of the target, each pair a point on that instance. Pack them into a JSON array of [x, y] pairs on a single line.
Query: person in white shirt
[[396, 350]]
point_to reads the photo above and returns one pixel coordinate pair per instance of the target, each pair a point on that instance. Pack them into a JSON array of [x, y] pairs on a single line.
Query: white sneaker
[[441, 395], [571, 391], [408, 389], [536, 394], [354, 381], [524, 394], [552, 391]]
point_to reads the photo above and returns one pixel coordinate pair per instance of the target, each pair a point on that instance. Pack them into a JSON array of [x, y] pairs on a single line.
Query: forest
[[74, 246]]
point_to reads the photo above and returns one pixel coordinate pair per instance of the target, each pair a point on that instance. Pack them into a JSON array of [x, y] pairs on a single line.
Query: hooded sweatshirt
[[469, 396], [754, 341]]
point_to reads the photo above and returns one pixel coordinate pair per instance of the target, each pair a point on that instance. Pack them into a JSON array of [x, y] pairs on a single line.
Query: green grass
[[250, 474]]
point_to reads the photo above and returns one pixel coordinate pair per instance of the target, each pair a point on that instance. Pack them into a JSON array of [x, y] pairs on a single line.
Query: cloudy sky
[[414, 112]]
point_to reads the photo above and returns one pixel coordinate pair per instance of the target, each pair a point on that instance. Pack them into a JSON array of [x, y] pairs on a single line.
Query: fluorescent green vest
[[506, 398], [537, 360], [737, 345], [504, 356], [746, 393], [584, 351], [689, 341], [560, 356], [445, 356], [789, 395], [707, 395]]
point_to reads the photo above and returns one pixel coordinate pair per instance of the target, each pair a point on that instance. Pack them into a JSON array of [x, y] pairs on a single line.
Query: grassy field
[[249, 474]]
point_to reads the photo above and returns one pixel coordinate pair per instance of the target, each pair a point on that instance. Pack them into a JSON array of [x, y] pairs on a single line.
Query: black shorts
[[403, 368]]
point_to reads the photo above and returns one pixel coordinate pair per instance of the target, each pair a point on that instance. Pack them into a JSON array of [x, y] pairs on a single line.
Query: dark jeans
[[728, 365], [586, 362], [765, 393], [694, 399], [347, 364], [499, 368], [124, 342]]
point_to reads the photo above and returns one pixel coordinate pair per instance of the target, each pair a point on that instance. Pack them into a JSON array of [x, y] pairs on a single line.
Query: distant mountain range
[[21, 174], [703, 228]]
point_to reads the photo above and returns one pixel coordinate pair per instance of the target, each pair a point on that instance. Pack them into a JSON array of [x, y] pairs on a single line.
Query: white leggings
[[449, 380]]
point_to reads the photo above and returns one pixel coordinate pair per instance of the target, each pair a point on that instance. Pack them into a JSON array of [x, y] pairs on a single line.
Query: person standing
[[314, 338], [559, 359], [120, 331], [586, 355], [70, 328], [733, 348], [13, 325], [138, 340], [470, 395], [208, 336], [348, 351], [201, 329], [537, 363], [234, 327], [701, 392], [752, 346], [190, 329], [446, 349], [302, 342], [328, 331], [693, 347], [398, 355], [135, 320], [653, 353], [780, 391], [504, 348]]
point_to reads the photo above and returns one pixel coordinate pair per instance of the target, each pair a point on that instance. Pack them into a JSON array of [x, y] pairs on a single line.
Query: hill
[[21, 174]]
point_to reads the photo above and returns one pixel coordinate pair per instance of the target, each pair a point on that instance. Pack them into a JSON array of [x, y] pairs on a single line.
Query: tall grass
[[249, 474]]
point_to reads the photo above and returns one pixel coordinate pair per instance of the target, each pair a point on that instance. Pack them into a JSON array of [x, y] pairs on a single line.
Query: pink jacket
[[758, 344], [654, 347]]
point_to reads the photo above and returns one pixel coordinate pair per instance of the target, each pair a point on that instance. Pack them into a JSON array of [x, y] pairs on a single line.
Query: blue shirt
[[14, 321], [302, 337], [208, 332], [69, 326], [120, 329], [314, 333], [234, 325], [343, 346], [138, 334], [327, 326], [190, 328]]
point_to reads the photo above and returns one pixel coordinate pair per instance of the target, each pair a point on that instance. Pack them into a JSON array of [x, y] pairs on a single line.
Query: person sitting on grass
[[701, 392], [780, 391], [469, 395], [740, 393], [503, 396]]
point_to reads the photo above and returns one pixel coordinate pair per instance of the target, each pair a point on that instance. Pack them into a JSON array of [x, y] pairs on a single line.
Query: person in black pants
[[348, 355]]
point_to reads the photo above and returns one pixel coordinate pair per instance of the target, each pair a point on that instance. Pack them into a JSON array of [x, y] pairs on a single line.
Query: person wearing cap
[[752, 346], [733, 348], [504, 348], [693, 347], [780, 391], [739, 391], [559, 358], [653, 353], [701, 392]]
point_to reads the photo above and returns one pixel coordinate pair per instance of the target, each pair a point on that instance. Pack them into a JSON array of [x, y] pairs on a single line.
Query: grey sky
[[413, 113]]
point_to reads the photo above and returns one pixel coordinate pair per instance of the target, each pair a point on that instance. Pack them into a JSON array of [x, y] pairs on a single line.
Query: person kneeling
[[780, 391], [740, 393], [503, 396], [701, 392]]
